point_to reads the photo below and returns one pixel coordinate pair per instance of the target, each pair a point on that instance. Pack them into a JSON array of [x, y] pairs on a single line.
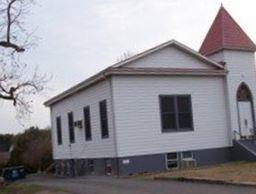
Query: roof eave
[[229, 48], [135, 72], [90, 81]]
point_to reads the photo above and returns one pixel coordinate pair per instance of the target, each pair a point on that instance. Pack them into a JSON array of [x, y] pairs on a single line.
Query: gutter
[[133, 72]]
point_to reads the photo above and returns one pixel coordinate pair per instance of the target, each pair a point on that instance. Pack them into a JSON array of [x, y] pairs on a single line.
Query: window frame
[[91, 166], [71, 128], [183, 153], [59, 130], [172, 160], [86, 130], [104, 136], [108, 166], [176, 113]]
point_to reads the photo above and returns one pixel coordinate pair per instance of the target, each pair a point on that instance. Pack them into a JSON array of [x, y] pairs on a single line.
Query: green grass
[[20, 189]]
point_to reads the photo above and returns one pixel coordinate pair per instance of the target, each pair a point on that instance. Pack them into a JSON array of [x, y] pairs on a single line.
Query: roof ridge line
[[221, 27]]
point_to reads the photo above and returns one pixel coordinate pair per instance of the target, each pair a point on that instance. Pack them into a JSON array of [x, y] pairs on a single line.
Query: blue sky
[[79, 38]]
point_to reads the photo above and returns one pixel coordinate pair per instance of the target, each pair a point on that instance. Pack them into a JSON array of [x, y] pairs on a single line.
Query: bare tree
[[15, 83], [124, 56], [38, 149]]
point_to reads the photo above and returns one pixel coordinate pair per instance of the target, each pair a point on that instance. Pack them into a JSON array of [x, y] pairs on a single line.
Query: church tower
[[229, 45]]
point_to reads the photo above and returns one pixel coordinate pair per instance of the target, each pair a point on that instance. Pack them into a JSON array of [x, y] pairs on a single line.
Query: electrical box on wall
[[78, 124]]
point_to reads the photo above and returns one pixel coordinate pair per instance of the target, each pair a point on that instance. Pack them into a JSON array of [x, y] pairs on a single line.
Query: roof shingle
[[225, 33]]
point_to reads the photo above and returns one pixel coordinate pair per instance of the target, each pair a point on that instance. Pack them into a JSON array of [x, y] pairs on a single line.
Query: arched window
[[243, 93]]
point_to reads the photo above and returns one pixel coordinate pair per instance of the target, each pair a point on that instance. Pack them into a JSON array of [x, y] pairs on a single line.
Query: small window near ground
[[108, 166], [187, 155], [104, 119], [91, 166], [172, 160], [59, 130]]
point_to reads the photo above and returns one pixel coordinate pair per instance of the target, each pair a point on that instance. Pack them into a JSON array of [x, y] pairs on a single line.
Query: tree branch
[[9, 19], [7, 44], [15, 85]]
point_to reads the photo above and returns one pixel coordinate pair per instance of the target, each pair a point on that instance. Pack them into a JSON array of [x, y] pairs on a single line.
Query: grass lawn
[[27, 189], [233, 172]]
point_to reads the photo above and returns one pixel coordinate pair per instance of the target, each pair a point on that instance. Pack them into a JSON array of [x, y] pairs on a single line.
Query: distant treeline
[[31, 149], [5, 142]]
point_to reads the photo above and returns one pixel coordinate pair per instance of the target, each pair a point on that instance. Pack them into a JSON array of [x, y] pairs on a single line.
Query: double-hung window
[[87, 124], [59, 130], [71, 127], [176, 113], [172, 160], [104, 119]]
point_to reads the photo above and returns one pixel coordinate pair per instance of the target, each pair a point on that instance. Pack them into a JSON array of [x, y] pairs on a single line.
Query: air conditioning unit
[[78, 124], [187, 163]]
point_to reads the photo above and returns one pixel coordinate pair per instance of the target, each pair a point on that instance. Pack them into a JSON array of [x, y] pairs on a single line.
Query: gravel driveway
[[110, 185]]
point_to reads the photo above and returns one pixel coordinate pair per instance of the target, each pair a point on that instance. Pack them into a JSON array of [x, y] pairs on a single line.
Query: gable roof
[[174, 43], [121, 69], [225, 33]]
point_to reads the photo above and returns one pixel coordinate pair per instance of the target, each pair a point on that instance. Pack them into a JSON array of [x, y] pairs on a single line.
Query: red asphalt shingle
[[225, 33]]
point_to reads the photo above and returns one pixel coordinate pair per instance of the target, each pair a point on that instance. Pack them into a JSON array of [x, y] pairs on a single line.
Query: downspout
[[114, 124]]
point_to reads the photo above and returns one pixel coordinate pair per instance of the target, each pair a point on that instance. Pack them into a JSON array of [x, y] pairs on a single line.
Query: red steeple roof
[[225, 33]]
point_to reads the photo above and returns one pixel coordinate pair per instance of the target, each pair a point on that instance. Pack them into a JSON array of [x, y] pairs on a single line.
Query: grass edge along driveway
[[243, 172], [15, 188]]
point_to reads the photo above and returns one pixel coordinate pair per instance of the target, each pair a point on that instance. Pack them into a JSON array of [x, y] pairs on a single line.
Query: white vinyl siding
[[169, 57], [135, 125], [138, 120], [241, 68], [98, 147]]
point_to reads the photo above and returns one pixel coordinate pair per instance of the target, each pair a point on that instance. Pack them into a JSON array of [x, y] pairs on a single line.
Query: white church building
[[164, 108]]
